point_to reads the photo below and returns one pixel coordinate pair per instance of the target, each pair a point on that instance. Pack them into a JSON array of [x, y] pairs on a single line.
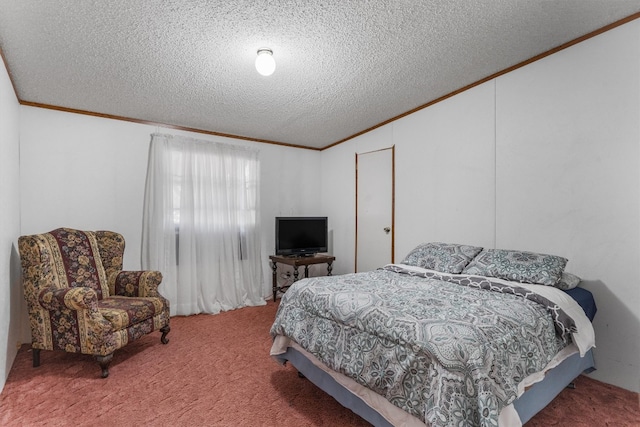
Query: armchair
[[81, 301]]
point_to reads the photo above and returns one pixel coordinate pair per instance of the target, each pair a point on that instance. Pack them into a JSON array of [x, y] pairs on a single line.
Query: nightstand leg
[[274, 267]]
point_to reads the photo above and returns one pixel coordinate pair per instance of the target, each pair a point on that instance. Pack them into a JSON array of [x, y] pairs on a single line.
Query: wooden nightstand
[[296, 262]]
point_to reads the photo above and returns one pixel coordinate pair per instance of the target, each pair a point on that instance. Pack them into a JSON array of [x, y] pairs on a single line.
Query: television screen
[[301, 235]]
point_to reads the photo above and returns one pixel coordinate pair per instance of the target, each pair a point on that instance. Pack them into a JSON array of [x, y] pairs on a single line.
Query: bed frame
[[533, 400]]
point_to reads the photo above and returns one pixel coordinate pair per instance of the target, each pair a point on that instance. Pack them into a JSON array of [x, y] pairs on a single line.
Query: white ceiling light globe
[[265, 64]]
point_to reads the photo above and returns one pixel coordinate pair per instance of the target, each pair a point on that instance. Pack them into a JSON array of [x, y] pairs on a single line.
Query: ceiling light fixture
[[265, 64]]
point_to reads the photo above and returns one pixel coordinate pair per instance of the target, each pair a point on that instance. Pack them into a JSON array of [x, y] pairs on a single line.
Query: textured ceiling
[[342, 66]]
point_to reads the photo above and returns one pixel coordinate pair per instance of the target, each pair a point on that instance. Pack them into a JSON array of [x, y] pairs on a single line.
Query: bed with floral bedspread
[[449, 349]]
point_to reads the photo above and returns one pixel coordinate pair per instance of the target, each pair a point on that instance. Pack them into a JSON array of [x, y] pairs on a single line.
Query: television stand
[[296, 262]]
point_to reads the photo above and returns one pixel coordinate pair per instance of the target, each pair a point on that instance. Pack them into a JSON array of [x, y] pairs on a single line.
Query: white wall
[[11, 301], [546, 158], [451, 145], [568, 144], [89, 173]]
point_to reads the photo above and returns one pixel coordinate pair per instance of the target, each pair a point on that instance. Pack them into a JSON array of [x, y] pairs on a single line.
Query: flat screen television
[[301, 236]]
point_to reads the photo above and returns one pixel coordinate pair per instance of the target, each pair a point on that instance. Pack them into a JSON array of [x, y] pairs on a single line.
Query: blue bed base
[[542, 393]]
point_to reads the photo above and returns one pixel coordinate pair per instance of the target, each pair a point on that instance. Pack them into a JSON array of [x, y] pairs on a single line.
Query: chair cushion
[[123, 312]]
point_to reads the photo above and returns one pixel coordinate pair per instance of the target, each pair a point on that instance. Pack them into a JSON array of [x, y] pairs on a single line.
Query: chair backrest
[[62, 258], [111, 247]]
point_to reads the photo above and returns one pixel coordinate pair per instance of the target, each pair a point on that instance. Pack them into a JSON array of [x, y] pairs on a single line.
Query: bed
[[453, 335]]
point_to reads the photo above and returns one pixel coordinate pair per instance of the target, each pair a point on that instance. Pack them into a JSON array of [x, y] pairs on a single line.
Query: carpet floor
[[216, 371]]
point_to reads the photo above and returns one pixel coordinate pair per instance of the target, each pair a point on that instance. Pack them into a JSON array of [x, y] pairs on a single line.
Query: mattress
[[585, 300]]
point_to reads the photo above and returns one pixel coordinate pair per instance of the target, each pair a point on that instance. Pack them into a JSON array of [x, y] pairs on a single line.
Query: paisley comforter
[[450, 352]]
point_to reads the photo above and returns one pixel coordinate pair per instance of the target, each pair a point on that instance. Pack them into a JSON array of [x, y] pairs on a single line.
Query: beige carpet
[[216, 371]]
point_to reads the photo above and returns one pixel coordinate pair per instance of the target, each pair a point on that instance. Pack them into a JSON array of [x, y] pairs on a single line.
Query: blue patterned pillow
[[518, 266], [444, 257]]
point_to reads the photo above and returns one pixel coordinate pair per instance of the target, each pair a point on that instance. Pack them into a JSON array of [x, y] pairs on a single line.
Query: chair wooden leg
[[36, 357], [165, 330], [104, 362]]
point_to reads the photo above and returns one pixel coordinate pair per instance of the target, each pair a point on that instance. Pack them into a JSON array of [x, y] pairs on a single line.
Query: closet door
[[374, 209]]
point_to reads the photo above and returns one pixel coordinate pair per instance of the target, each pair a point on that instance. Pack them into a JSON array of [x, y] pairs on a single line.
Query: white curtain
[[201, 224]]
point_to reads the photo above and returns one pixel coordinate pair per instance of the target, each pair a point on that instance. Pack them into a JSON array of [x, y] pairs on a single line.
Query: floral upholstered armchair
[[79, 298]]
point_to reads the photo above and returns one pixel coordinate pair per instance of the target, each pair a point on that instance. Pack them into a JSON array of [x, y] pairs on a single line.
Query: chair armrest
[[79, 298], [136, 283], [68, 306]]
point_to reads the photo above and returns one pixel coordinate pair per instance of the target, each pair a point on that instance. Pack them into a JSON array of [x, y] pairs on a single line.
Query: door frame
[[393, 202]]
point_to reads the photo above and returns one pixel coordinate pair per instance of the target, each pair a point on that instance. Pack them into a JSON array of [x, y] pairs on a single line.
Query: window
[[237, 178]]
